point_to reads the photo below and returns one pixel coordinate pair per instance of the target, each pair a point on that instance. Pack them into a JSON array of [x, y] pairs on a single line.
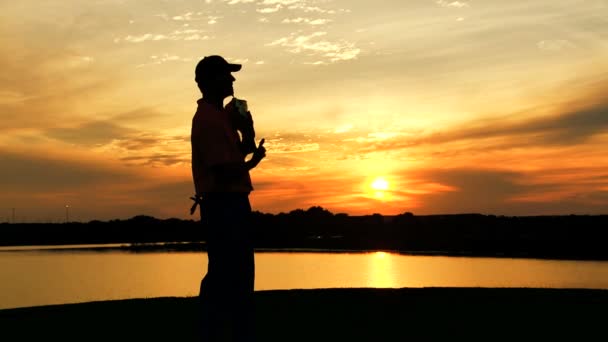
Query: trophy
[[243, 122]]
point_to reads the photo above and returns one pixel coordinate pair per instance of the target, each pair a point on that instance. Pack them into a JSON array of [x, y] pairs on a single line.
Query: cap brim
[[234, 67]]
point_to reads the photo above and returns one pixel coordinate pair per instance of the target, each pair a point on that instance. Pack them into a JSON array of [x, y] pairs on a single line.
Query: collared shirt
[[215, 142]]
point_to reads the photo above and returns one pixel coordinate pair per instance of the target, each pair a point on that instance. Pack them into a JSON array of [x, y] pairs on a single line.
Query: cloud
[[212, 19], [318, 188], [312, 9], [554, 45], [239, 60], [300, 20], [157, 60], [126, 144], [454, 4], [139, 142], [10, 97], [235, 2], [150, 148], [183, 17], [186, 34], [281, 2], [279, 147], [491, 191], [89, 134], [144, 140], [41, 86], [266, 10], [40, 185], [565, 129], [157, 159], [187, 17], [37, 173], [314, 45], [274, 6], [136, 116]]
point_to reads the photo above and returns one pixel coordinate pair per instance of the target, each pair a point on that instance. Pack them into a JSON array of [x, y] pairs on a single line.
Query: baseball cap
[[213, 65]]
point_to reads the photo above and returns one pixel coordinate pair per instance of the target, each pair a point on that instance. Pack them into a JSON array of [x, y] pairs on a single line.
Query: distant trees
[[569, 236]]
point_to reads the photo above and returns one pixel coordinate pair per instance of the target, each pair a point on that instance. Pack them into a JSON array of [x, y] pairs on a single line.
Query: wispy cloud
[[570, 127], [89, 134], [314, 44], [187, 16], [48, 83], [186, 34], [281, 2], [274, 6], [455, 4], [156, 60], [212, 19], [301, 5], [150, 148], [40, 173], [11, 97], [184, 17], [300, 20], [157, 159], [266, 10], [496, 191], [556, 45], [42, 185], [235, 2], [279, 146]]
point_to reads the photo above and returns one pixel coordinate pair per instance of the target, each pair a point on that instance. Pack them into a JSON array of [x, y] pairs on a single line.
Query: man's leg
[[212, 290], [244, 310], [227, 289]]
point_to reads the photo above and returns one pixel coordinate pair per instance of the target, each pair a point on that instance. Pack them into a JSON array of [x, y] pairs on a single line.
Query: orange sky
[[453, 106]]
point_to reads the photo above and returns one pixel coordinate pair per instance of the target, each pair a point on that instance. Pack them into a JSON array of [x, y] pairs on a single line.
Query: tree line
[[570, 236]]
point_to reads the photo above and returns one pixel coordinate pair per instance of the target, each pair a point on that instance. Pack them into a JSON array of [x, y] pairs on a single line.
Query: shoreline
[[341, 314]]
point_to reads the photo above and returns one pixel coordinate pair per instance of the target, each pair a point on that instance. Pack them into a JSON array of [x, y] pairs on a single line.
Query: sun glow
[[378, 188], [380, 184]]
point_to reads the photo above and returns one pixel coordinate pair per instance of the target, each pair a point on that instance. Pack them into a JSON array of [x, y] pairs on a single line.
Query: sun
[[380, 184], [378, 188]]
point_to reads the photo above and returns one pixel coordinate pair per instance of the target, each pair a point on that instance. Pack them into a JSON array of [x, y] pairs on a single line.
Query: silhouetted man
[[222, 183]]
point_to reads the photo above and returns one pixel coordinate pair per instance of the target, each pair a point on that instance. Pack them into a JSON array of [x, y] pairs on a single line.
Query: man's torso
[[215, 142]]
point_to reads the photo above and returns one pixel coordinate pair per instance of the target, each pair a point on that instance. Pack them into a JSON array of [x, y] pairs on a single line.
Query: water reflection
[[380, 269], [29, 278]]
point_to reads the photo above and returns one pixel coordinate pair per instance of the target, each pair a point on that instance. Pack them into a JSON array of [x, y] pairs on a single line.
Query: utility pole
[[13, 219]]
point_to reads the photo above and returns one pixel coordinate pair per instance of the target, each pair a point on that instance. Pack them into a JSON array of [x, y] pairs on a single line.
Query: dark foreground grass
[[429, 314]]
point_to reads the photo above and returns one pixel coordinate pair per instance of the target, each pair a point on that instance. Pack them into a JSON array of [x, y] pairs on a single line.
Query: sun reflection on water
[[381, 273]]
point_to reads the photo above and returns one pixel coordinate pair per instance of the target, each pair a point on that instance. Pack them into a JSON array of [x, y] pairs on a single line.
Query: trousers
[[226, 291]]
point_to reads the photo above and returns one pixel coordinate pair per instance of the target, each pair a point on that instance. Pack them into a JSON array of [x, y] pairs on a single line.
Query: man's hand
[[258, 154]]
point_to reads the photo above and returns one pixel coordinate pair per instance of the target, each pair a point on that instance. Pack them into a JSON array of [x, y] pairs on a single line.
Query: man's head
[[212, 74]]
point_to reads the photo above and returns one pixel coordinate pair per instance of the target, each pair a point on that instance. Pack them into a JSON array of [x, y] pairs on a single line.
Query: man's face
[[223, 84]]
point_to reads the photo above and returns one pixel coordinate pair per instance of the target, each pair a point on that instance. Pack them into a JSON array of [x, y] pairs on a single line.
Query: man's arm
[[245, 126], [227, 173]]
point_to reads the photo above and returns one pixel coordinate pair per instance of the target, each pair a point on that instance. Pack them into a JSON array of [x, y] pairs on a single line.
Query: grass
[[428, 314]]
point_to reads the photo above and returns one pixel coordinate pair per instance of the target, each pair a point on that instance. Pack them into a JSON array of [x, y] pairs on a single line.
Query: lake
[[32, 276]]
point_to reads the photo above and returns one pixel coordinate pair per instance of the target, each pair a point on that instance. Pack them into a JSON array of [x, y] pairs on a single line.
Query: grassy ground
[[429, 314]]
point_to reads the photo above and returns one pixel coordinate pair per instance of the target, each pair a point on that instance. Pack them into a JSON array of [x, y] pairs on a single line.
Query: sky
[[422, 106]]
